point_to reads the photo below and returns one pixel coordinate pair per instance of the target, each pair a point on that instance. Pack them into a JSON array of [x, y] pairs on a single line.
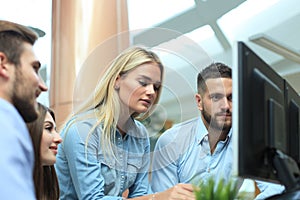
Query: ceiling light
[[275, 46]]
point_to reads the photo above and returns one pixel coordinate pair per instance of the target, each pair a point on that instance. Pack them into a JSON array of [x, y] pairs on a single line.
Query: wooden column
[[86, 35]]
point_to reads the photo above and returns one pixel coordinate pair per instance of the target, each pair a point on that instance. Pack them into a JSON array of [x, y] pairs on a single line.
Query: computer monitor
[[261, 115], [293, 121], [265, 122]]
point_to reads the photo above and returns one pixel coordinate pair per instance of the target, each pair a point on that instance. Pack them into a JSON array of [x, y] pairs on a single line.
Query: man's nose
[[42, 85]]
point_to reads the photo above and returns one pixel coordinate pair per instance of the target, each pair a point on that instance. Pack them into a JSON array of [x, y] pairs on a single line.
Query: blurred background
[[187, 35]]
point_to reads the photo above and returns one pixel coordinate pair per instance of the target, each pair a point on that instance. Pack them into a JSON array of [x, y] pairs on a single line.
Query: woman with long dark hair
[[45, 140]]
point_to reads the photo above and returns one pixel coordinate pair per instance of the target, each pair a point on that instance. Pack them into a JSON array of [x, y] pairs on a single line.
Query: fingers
[[183, 192], [178, 192], [186, 186]]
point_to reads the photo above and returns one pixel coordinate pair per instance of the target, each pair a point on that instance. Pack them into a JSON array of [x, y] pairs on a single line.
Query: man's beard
[[213, 123], [23, 103]]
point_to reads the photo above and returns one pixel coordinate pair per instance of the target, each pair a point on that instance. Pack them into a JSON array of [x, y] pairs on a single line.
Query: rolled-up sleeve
[[268, 189]]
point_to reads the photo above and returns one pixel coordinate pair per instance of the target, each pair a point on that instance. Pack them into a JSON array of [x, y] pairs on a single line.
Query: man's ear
[[3, 65], [199, 101]]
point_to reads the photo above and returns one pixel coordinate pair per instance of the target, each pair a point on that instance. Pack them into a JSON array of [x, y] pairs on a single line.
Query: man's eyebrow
[[216, 93]]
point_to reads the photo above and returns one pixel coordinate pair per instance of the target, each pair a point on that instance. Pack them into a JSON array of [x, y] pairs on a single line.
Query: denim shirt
[[182, 155], [89, 174]]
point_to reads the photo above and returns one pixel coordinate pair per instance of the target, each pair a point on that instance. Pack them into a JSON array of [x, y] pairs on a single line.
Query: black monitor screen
[[261, 115], [293, 122]]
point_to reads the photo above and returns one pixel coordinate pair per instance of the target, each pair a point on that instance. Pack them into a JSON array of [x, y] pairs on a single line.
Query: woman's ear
[[117, 83]]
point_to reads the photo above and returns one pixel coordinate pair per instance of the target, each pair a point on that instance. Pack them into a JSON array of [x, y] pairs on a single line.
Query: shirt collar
[[202, 131]]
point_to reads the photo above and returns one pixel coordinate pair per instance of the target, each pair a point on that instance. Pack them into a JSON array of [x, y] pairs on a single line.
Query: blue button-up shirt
[[17, 156], [182, 155], [85, 172]]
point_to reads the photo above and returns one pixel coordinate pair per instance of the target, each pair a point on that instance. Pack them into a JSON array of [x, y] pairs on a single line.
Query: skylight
[[232, 23], [154, 12]]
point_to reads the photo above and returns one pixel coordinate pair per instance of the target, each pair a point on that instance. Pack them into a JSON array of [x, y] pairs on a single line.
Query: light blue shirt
[[182, 155], [17, 157], [89, 174]]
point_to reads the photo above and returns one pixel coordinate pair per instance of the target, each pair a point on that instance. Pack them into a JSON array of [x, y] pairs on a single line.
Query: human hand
[[180, 191]]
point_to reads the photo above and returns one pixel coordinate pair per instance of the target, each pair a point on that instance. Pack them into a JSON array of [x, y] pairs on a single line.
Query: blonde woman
[[105, 150]]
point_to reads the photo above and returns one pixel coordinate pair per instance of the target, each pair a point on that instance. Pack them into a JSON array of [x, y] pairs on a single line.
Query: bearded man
[[201, 148], [20, 85]]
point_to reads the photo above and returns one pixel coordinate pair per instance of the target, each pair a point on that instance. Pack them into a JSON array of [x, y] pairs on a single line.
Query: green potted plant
[[218, 190]]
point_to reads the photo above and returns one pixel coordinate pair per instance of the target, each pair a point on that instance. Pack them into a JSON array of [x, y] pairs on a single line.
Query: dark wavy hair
[[45, 178]]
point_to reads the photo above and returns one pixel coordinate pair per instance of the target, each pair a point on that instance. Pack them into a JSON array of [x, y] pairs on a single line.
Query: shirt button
[[122, 177]]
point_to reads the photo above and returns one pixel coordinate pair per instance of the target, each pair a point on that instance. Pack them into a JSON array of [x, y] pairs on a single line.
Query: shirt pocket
[[109, 174], [134, 164]]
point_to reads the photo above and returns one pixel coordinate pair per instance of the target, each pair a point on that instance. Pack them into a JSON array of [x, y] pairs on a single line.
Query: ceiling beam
[[204, 12], [169, 29], [220, 36]]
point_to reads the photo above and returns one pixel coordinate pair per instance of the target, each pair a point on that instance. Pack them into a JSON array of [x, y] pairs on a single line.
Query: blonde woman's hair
[[105, 100]]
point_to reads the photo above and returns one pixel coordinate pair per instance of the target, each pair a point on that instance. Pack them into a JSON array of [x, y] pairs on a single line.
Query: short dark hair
[[214, 70], [12, 37]]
